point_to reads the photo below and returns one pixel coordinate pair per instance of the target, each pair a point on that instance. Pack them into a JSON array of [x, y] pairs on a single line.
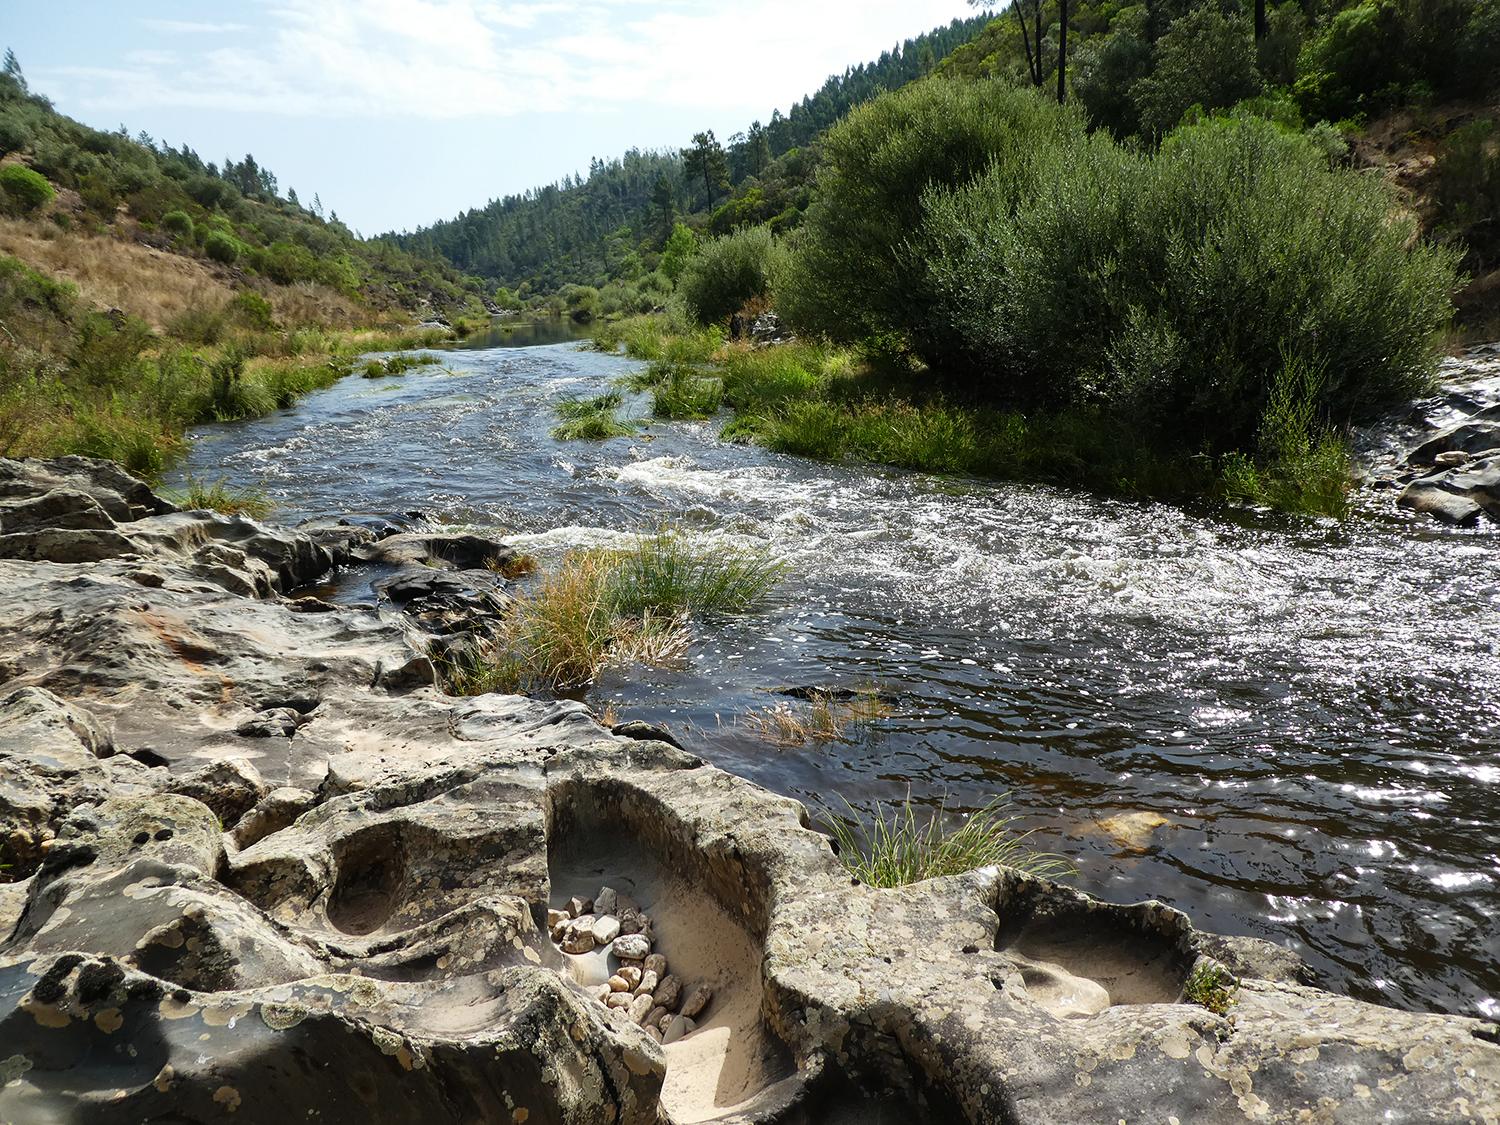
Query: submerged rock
[[338, 915]]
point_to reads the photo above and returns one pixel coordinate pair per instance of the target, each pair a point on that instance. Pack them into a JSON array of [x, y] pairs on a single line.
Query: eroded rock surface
[[262, 870]]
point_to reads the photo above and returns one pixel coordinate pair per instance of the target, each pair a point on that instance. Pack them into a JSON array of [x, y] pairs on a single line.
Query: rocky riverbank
[[260, 866]]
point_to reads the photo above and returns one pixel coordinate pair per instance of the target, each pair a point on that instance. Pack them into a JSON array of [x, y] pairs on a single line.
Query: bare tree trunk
[[1262, 28], [1037, 77], [1031, 62], [1062, 51]]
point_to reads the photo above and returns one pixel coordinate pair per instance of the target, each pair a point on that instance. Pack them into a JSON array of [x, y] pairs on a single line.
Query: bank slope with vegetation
[[143, 290], [1185, 280]]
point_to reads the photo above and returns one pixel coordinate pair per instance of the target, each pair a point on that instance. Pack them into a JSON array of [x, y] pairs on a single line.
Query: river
[[1289, 729]]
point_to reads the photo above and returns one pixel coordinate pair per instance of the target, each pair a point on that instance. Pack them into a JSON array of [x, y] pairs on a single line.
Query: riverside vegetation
[[1246, 300], [144, 291]]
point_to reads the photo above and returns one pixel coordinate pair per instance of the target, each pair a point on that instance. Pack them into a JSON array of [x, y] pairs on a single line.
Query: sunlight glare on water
[[1290, 730]]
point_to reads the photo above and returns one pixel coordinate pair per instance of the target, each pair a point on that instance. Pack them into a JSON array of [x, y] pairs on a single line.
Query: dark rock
[[1460, 496], [1472, 437]]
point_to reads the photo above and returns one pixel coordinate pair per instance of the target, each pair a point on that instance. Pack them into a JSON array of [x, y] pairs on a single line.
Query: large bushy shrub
[[855, 277], [22, 190], [1059, 269], [728, 273], [223, 248]]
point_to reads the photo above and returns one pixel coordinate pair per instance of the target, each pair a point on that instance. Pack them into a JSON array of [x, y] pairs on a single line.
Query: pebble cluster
[[641, 988]]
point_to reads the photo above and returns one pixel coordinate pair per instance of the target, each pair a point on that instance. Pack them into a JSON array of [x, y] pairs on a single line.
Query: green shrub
[[591, 419], [252, 310], [22, 191], [728, 273], [223, 248], [851, 276], [178, 223], [1193, 269]]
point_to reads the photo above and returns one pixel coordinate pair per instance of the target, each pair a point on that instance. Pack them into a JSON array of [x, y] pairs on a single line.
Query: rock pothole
[[1078, 957], [681, 966]]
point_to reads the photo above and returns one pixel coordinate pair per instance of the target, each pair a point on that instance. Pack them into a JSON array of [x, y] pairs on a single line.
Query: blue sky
[[399, 112]]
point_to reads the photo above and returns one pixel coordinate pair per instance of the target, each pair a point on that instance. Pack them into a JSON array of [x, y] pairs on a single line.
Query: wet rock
[[1471, 437], [1461, 496], [1452, 459], [645, 732], [631, 947]]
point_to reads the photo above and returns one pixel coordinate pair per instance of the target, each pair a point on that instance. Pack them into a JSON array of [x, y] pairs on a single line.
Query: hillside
[[144, 291], [611, 224]]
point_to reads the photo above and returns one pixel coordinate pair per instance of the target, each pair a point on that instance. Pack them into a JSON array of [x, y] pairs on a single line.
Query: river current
[[1289, 729]]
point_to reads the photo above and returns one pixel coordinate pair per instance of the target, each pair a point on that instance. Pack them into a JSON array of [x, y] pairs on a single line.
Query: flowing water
[[1289, 729]]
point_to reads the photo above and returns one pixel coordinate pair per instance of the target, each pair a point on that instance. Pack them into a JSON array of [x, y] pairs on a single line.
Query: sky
[[400, 112]]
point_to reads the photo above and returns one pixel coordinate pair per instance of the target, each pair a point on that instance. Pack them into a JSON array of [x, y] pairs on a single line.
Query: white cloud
[[447, 59], [192, 27]]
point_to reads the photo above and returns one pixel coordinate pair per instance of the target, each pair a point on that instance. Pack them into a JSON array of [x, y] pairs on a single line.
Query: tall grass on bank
[[895, 847], [657, 337], [73, 380], [603, 607]]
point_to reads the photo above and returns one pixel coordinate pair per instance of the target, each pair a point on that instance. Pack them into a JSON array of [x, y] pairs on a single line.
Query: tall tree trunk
[[1062, 51], [1261, 26], [1031, 62], [1037, 77]]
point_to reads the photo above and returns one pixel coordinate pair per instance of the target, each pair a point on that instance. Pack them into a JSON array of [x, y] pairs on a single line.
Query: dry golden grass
[[156, 286]]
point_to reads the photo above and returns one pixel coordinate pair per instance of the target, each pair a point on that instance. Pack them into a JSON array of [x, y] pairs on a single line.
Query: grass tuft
[[592, 419], [896, 848], [686, 394], [666, 573], [825, 718], [398, 364], [220, 497], [602, 607]]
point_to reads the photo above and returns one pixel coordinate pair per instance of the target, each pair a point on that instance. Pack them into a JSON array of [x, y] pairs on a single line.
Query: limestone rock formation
[[262, 870]]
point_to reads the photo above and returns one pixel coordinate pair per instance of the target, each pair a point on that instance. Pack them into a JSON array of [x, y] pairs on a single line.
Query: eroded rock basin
[[265, 869]]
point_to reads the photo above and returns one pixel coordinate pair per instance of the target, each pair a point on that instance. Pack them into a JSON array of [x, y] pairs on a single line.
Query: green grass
[[398, 364], [666, 573], [895, 846], [686, 394], [602, 607], [1210, 986], [221, 497], [592, 419], [658, 337]]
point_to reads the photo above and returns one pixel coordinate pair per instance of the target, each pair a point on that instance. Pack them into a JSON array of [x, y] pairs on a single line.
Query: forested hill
[[583, 231]]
